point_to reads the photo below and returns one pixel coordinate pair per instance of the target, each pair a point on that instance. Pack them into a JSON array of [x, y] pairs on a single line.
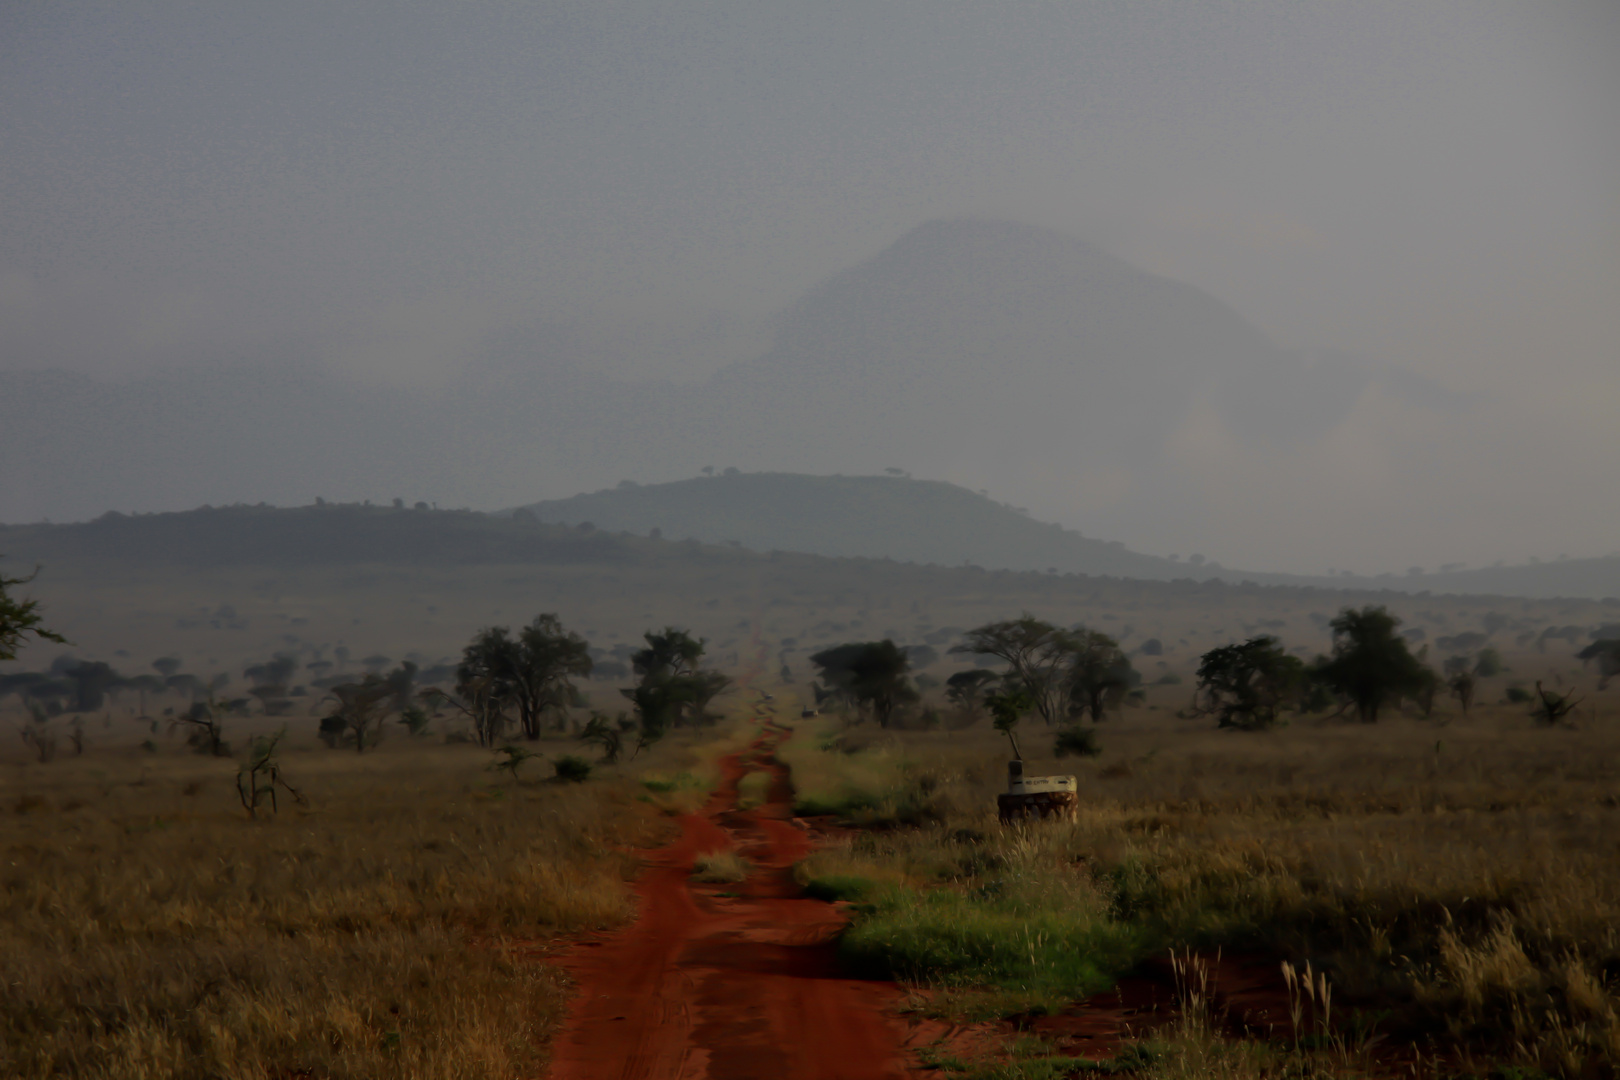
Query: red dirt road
[[740, 987]]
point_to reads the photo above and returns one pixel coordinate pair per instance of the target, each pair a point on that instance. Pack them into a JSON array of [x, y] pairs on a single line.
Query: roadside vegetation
[[1454, 879], [178, 911], [1442, 848]]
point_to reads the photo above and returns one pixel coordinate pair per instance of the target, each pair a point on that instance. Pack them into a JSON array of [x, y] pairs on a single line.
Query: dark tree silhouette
[[673, 689], [1370, 664], [1551, 707], [548, 659], [358, 712], [871, 675], [1606, 651], [1038, 655], [1246, 686], [533, 671], [20, 619], [967, 689], [1460, 681], [90, 679], [1100, 674]]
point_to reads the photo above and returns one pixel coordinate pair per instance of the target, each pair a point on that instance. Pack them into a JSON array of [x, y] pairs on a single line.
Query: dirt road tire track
[[747, 987]]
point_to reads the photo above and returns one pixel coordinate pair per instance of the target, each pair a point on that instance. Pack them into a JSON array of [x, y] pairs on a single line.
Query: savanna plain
[[1432, 894]]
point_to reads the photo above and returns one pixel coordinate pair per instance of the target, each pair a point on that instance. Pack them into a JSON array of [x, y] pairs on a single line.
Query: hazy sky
[[384, 187]]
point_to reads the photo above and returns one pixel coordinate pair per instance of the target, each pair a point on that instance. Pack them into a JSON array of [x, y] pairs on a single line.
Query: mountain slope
[[926, 521], [999, 356], [918, 521]]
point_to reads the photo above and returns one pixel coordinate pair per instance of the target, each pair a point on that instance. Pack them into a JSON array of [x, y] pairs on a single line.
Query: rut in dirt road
[[739, 987]]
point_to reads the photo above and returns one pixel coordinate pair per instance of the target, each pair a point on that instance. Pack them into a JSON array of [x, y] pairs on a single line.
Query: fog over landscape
[[1297, 288], [876, 541]]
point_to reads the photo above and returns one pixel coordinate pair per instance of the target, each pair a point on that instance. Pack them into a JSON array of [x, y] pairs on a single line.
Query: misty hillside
[[996, 355], [326, 535], [831, 526], [899, 518], [922, 521]]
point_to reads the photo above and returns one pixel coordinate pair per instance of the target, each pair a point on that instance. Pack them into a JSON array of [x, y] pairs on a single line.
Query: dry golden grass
[[389, 929], [1461, 880]]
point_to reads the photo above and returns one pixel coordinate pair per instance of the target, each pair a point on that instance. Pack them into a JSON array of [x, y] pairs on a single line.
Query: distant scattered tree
[[1038, 656], [38, 734], [143, 685], [871, 675], [166, 666], [1488, 663], [1551, 708], [205, 724], [546, 660], [1606, 651], [1246, 686], [673, 689], [1100, 674], [1460, 681], [358, 712], [967, 689], [484, 682], [706, 686], [271, 682], [20, 619], [1370, 665], [404, 699], [1426, 689], [90, 679]]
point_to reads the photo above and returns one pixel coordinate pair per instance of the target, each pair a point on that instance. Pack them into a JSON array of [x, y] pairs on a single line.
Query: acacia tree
[[1245, 686], [1371, 665], [483, 683], [967, 689], [206, 722], [873, 676], [358, 712], [20, 619], [90, 680], [1552, 707], [1606, 651], [533, 671], [270, 683], [1038, 657], [547, 659], [1100, 675], [673, 688], [1460, 680]]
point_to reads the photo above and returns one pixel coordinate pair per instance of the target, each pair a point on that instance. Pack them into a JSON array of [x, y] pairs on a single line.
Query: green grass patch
[[829, 780], [663, 785], [1044, 953], [753, 789], [835, 887]]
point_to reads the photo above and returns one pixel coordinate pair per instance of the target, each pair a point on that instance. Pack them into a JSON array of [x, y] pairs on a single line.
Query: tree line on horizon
[[523, 681]]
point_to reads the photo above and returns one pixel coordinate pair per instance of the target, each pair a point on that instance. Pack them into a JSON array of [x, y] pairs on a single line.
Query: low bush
[[572, 768]]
